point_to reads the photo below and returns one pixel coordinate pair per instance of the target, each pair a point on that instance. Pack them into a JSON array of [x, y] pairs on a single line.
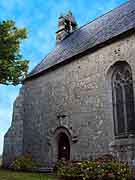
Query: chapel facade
[[79, 102]]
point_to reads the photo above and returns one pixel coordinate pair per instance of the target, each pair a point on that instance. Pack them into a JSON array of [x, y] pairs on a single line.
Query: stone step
[[44, 169]]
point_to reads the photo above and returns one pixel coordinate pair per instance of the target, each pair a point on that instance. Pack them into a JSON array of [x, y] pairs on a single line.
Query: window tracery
[[123, 100]]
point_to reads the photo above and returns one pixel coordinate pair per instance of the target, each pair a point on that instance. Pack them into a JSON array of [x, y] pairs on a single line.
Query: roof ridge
[[39, 63], [105, 13]]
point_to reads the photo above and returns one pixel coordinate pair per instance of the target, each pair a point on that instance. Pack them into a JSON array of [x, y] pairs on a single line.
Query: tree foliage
[[13, 67]]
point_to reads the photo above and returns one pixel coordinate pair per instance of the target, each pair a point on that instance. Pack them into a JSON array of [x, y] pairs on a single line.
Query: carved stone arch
[[121, 88], [62, 137], [111, 68]]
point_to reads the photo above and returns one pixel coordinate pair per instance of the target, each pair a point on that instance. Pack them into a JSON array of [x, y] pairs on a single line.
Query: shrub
[[68, 170], [93, 170], [23, 163]]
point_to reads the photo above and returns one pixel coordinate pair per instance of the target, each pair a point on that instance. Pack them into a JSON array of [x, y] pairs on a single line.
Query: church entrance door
[[63, 147]]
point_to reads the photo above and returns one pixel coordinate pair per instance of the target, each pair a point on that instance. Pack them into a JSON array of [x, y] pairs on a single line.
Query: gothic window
[[123, 100]]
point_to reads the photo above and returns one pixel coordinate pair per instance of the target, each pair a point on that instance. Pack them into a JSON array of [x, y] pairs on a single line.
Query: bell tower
[[66, 25]]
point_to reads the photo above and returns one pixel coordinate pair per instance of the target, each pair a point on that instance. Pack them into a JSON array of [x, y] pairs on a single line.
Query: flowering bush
[[93, 170], [23, 163], [69, 170]]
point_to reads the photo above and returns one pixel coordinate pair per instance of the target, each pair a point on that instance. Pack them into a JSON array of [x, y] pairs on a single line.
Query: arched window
[[123, 100]]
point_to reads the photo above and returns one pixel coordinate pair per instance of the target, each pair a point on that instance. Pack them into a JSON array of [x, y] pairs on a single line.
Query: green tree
[[13, 67]]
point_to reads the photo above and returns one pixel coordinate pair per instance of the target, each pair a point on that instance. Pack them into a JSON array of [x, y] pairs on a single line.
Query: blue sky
[[40, 17]]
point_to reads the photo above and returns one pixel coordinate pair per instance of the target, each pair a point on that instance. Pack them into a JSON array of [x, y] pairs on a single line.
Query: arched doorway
[[63, 147]]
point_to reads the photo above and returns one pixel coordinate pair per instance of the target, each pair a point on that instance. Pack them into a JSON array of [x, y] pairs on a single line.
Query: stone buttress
[[13, 139]]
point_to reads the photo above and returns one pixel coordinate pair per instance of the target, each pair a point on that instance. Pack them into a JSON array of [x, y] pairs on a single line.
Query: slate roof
[[90, 35]]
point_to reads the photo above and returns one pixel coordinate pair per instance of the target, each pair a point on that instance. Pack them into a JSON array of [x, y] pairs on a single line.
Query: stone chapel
[[79, 102]]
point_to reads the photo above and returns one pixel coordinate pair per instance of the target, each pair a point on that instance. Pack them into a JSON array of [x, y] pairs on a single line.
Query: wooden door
[[63, 147]]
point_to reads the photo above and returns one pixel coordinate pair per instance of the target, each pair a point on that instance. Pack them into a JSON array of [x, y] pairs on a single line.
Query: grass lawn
[[10, 175]]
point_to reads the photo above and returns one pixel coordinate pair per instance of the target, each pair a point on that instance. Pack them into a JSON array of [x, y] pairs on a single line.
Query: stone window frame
[[120, 69]]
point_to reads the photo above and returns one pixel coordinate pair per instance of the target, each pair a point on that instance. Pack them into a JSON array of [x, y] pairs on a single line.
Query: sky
[[40, 17]]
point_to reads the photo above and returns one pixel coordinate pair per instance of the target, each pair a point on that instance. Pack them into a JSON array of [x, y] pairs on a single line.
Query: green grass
[[11, 175]]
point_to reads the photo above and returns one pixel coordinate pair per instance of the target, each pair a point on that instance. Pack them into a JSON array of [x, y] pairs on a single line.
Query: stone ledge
[[129, 141], [43, 169]]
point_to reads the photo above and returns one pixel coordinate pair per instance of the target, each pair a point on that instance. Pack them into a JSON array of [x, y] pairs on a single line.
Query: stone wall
[[13, 139], [76, 97]]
